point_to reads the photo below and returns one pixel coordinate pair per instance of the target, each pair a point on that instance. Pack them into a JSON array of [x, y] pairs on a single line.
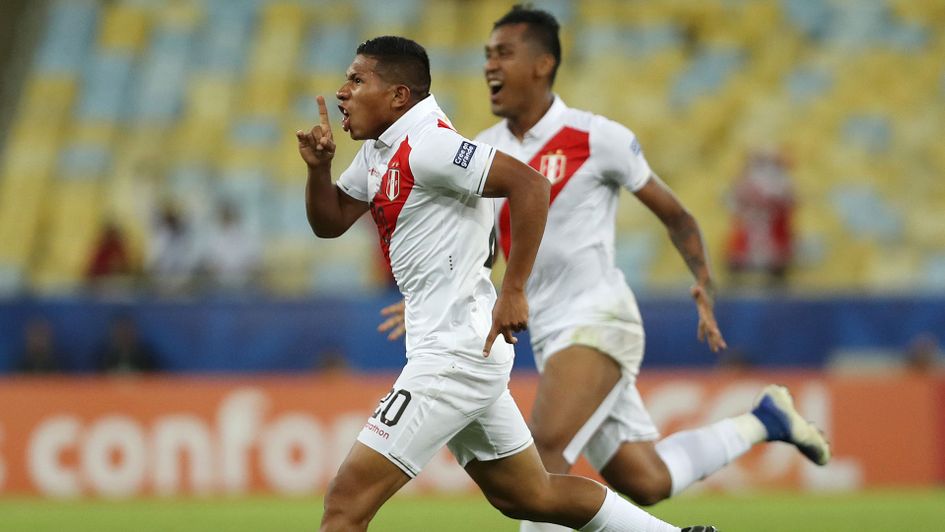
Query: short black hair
[[401, 61], [542, 27]]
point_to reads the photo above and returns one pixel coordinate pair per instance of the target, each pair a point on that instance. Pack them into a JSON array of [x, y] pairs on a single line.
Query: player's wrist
[[512, 288], [704, 289], [318, 169]]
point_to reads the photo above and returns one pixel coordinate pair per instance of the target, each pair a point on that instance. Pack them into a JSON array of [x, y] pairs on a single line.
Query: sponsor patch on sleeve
[[464, 154], [635, 147]]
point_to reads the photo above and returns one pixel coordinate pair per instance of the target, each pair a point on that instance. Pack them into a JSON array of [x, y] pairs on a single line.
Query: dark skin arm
[[687, 238], [330, 210], [528, 196]]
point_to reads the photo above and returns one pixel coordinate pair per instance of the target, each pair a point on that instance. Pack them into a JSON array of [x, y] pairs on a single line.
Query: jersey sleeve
[[444, 159], [353, 180], [621, 156]]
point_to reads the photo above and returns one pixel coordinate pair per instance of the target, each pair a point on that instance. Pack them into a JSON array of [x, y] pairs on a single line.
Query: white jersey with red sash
[[424, 183], [588, 159]]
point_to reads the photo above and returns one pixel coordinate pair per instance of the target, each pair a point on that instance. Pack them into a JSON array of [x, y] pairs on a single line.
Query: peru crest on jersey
[[553, 166], [392, 183]]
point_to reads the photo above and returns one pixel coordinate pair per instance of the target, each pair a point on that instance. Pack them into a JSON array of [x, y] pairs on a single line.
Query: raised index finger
[[323, 114]]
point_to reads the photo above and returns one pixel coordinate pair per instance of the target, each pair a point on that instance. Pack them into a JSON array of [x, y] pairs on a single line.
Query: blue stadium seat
[[812, 18], [635, 253], [68, 35], [162, 77], [106, 86], [807, 82], [707, 73], [84, 161], [870, 132], [228, 32], [329, 48], [865, 213]]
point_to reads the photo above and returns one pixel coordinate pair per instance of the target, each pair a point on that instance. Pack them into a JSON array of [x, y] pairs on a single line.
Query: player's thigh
[[364, 481], [627, 425], [574, 383], [428, 405]]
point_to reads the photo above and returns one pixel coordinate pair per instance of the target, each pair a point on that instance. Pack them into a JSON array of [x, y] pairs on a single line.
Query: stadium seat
[[201, 99]]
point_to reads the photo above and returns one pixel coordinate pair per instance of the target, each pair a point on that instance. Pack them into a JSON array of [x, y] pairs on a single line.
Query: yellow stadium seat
[[437, 28], [31, 152], [48, 99], [265, 96], [198, 140], [287, 265], [178, 15], [74, 211], [210, 98], [279, 38], [123, 27], [21, 208]]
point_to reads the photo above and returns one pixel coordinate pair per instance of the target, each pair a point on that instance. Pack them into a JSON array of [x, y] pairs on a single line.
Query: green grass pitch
[[878, 511]]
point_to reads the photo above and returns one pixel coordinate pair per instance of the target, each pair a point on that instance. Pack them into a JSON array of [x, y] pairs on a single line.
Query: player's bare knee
[[644, 491], [341, 504], [647, 497], [520, 508], [550, 447]]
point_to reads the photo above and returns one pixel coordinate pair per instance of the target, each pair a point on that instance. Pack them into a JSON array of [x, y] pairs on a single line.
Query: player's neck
[[520, 124]]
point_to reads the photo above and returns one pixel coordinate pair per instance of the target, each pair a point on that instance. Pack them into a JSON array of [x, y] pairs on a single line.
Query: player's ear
[[401, 96], [544, 66]]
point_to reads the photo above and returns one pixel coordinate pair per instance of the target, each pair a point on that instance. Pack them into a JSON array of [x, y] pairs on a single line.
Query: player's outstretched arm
[[686, 236], [330, 211], [527, 192]]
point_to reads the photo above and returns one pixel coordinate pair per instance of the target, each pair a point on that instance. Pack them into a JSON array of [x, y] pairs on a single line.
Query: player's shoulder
[[435, 143], [578, 119], [433, 133], [606, 132], [598, 124]]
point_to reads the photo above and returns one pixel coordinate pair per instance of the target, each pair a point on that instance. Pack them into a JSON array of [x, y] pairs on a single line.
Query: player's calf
[[637, 471], [642, 491]]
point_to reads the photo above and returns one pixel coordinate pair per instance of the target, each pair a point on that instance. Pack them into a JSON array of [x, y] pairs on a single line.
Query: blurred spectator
[[110, 264], [331, 361], [734, 360], [172, 257], [233, 252], [39, 353], [125, 352], [762, 204], [923, 354]]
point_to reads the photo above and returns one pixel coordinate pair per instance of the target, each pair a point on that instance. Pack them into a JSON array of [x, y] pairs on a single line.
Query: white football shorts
[[621, 416], [441, 400]]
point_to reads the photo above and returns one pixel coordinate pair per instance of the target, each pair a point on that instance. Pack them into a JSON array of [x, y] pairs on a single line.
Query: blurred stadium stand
[[122, 103]]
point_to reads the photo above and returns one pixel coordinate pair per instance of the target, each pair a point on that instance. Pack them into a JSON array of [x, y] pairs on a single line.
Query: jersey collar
[[549, 123], [399, 128]]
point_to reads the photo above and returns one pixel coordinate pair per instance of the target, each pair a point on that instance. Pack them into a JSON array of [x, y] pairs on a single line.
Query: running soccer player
[[424, 185], [585, 327]]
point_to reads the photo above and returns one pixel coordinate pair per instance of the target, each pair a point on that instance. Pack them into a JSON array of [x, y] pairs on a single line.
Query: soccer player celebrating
[[585, 327], [424, 185]]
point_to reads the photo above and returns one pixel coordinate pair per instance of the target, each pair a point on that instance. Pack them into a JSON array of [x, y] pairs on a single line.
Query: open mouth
[[495, 86], [345, 118]]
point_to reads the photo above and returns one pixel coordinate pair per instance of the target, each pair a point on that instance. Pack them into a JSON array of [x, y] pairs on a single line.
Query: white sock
[[528, 526], [619, 515], [692, 455], [751, 428]]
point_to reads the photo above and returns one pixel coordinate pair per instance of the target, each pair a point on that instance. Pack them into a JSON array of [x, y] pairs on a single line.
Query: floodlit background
[[152, 226]]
